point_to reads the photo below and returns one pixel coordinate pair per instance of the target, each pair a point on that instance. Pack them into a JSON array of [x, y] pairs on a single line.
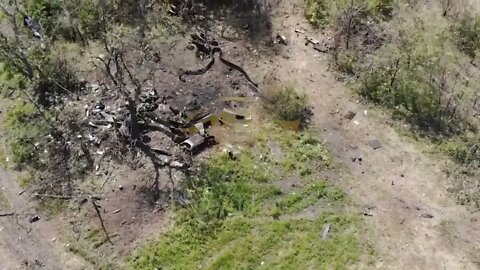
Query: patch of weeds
[[25, 181], [96, 238], [86, 255], [317, 12], [463, 150], [24, 126], [227, 186], [303, 152], [3, 159], [166, 28], [347, 62], [227, 226], [9, 80], [448, 228], [289, 103], [322, 13], [381, 7], [4, 203], [51, 206], [257, 244], [319, 191], [468, 35]]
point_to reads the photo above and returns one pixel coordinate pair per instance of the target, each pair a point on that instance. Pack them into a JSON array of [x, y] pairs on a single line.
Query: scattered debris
[[233, 152], [367, 210], [39, 263], [193, 142], [33, 218], [326, 230], [173, 10], [375, 144], [312, 40], [178, 197], [350, 115], [360, 159], [282, 39], [33, 25], [321, 48], [299, 31], [209, 47], [426, 215]]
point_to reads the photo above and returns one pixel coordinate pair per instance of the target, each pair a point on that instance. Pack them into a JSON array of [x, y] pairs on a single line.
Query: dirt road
[[25, 245], [416, 223]]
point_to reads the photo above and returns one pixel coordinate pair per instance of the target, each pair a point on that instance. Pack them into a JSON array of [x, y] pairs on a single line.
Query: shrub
[[46, 11], [24, 126], [468, 35], [317, 12], [346, 61], [289, 104], [382, 7]]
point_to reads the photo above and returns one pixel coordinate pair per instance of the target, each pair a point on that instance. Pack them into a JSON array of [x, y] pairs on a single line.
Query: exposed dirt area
[[25, 245], [406, 190], [416, 223]]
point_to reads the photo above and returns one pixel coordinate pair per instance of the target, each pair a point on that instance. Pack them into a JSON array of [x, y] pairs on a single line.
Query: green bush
[[226, 186], [46, 11], [383, 7], [468, 35], [347, 62], [289, 104], [321, 13], [317, 12], [228, 223], [24, 127]]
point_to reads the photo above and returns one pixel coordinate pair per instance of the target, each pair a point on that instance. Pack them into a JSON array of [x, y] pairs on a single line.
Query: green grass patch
[[258, 244], [25, 181], [3, 158], [304, 152], [51, 207], [322, 13], [24, 127], [312, 194], [289, 103], [229, 225]]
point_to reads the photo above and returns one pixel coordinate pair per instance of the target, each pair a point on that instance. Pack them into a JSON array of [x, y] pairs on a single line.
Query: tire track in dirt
[[403, 233]]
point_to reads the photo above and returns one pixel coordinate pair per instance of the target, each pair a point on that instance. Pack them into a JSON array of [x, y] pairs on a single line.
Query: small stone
[[33, 218], [375, 144], [426, 215], [120, 187], [350, 115]]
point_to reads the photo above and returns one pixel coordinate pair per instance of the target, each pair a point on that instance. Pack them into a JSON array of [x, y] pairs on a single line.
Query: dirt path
[[405, 236], [25, 245]]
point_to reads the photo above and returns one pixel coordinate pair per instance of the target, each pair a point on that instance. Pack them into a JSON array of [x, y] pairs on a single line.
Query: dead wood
[[101, 220]]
